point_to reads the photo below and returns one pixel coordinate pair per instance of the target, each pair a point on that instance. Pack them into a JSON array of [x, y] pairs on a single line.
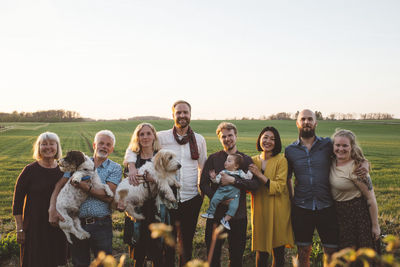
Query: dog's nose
[[179, 165]]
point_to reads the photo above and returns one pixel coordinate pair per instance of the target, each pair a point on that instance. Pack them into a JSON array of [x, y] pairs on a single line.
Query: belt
[[92, 220]]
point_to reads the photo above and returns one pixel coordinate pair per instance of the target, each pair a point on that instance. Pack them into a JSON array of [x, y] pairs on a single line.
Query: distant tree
[[41, 116], [280, 116], [296, 115], [318, 114]]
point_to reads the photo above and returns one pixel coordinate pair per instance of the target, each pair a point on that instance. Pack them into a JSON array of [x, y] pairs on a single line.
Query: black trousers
[[186, 215], [279, 257], [236, 241]]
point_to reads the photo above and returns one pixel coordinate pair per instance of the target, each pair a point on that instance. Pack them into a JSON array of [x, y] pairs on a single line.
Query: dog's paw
[[171, 205], [83, 235], [75, 180]]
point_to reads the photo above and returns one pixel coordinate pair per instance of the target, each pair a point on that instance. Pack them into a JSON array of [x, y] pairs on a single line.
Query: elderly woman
[[41, 244], [270, 204], [356, 206], [143, 146]]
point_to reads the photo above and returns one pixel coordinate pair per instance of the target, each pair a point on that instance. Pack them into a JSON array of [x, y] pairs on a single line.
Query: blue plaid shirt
[[109, 171], [311, 168]]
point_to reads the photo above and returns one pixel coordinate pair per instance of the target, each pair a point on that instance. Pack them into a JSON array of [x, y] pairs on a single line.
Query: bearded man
[[309, 158]]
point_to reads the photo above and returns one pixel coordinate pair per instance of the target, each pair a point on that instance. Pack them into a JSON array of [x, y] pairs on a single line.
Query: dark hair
[[278, 143], [238, 159]]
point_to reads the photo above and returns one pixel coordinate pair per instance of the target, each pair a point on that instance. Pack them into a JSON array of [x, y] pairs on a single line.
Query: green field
[[380, 141]]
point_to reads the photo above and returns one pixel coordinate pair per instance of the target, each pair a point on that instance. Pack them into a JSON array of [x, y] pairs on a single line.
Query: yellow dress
[[270, 208]]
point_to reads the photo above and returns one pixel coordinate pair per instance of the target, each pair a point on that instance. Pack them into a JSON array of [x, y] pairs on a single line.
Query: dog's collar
[[85, 178]]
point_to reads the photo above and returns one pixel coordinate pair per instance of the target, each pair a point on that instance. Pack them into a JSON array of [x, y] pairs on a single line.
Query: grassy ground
[[380, 141]]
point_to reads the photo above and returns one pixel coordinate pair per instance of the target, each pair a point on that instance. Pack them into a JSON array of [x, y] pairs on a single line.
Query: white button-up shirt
[[189, 174]]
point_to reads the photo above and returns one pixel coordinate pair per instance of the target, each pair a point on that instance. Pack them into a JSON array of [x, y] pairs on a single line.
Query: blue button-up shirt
[[311, 169], [109, 171]]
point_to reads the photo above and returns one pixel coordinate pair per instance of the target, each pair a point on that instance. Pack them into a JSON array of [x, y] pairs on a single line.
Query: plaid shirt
[[109, 171]]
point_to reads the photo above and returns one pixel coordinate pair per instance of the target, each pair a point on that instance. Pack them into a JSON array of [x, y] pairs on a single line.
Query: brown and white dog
[[162, 168], [70, 198]]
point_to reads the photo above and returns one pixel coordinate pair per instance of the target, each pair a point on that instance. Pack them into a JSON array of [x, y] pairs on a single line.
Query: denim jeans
[[100, 240]]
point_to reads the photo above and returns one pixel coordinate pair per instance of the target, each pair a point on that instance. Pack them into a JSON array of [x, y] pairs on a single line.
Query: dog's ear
[[77, 157], [157, 162]]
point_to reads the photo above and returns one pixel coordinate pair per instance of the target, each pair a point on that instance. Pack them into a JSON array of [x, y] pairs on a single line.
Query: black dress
[[45, 245], [137, 234]]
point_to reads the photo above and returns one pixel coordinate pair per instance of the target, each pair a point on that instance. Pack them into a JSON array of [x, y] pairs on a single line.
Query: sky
[[120, 59]]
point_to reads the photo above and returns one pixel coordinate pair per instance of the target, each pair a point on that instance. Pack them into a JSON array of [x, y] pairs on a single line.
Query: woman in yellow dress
[[270, 204]]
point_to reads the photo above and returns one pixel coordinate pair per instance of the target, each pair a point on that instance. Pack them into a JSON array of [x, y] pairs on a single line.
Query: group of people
[[332, 192]]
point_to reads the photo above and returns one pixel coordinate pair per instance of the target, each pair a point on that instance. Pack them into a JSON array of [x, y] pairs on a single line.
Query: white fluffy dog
[[162, 168], [70, 198]]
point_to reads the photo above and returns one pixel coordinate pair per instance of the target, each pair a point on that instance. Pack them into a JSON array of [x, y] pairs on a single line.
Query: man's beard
[[307, 134], [185, 122], [102, 154]]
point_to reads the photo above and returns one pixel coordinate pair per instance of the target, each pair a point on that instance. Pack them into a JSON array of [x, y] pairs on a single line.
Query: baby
[[223, 193]]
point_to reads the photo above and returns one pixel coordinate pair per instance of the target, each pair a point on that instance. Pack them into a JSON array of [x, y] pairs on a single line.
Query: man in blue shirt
[[95, 212], [309, 158]]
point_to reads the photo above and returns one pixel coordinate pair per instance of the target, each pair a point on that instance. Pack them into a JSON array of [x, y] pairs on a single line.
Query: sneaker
[[225, 224], [207, 215]]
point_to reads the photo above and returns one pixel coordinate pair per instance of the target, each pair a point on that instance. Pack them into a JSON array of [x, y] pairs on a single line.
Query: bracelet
[[20, 230], [90, 188]]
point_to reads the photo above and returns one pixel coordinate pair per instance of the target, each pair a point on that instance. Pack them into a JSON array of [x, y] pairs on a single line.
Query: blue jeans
[[224, 193], [100, 240]]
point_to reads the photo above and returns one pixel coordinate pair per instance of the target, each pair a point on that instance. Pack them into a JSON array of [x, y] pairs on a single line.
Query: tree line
[[59, 115], [320, 116]]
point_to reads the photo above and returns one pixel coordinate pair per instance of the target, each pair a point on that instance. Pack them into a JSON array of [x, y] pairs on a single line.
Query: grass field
[[380, 141]]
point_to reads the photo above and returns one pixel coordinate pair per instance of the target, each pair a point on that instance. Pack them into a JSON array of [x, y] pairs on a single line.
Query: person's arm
[[278, 184], [205, 181], [289, 177], [202, 158], [365, 186], [363, 169], [20, 229], [243, 184], [98, 193], [54, 216], [20, 192], [130, 160]]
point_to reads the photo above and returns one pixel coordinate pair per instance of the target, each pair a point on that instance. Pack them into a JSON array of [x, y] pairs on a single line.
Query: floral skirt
[[355, 226]]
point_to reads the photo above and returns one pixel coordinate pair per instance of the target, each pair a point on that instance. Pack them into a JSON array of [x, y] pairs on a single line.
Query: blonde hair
[[226, 126], [356, 153], [43, 137], [134, 143]]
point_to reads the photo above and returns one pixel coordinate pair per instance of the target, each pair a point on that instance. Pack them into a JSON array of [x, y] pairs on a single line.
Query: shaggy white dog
[[162, 168], [70, 198]]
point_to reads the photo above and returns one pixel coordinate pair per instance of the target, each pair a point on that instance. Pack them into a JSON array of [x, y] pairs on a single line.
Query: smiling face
[[228, 139], [267, 141], [48, 149], [342, 148], [181, 115], [103, 146], [146, 137]]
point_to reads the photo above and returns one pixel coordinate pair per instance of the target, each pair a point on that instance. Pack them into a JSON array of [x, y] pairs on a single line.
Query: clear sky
[[118, 59]]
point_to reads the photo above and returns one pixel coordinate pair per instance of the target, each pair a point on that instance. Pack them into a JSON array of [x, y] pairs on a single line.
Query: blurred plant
[[107, 260], [162, 230], [8, 245], [367, 256], [165, 231]]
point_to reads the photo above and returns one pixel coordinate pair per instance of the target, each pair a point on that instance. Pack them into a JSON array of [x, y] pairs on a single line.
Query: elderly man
[[95, 212], [309, 158], [227, 134]]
